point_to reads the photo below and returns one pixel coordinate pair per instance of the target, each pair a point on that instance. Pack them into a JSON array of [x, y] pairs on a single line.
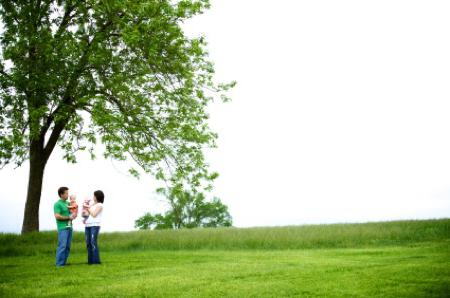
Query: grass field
[[389, 259]]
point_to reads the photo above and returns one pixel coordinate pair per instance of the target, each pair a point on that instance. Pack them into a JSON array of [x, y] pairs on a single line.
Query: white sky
[[341, 114]]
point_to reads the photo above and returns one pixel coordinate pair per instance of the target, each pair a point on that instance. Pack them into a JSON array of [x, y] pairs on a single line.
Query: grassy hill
[[385, 259]]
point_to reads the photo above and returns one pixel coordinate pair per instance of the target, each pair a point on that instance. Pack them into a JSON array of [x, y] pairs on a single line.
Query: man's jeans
[[63, 250], [91, 234]]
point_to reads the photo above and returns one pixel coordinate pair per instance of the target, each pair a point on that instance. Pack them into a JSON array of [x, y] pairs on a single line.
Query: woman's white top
[[94, 221]]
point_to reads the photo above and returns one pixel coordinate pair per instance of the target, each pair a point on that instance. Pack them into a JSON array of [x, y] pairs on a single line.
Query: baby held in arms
[[73, 208], [85, 212]]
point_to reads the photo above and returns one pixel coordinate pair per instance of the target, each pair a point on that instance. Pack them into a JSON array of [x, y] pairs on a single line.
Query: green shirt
[[62, 208]]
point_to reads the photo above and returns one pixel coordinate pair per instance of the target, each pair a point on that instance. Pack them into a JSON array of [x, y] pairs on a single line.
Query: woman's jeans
[[91, 235], [63, 250]]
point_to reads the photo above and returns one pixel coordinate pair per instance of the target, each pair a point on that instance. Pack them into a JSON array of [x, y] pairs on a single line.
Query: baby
[[85, 212], [73, 208]]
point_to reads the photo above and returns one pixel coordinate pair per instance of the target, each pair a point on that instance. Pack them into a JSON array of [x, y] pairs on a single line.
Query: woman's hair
[[99, 195], [62, 190]]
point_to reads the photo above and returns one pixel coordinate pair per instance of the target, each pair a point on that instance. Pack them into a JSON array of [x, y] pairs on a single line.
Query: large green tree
[[117, 72]]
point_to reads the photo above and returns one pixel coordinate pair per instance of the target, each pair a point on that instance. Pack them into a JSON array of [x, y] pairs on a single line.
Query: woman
[[93, 227]]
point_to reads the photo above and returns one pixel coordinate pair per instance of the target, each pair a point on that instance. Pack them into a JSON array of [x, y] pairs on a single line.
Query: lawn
[[357, 260]]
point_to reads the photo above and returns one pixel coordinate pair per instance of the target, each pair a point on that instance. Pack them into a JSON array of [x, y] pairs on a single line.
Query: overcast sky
[[341, 114]]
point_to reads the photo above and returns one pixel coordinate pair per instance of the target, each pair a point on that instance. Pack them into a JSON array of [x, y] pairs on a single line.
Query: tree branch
[[65, 21], [8, 6], [59, 127], [67, 98]]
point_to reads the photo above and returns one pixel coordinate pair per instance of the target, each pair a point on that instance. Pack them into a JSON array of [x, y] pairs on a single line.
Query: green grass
[[390, 259]]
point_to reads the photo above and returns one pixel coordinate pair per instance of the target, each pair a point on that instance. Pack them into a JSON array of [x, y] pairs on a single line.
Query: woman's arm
[[95, 211]]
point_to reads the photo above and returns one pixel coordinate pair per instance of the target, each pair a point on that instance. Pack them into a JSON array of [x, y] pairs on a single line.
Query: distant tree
[[118, 72], [187, 209]]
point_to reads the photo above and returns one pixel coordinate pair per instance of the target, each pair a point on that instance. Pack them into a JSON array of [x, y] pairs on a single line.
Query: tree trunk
[[37, 166]]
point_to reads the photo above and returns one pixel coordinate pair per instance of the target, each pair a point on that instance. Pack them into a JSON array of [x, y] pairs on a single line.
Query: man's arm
[[60, 217]]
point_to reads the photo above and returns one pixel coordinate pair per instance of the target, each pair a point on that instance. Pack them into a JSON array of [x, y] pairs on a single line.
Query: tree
[[187, 209], [117, 72]]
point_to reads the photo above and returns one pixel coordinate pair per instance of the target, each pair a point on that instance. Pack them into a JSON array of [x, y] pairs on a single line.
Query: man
[[63, 216]]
